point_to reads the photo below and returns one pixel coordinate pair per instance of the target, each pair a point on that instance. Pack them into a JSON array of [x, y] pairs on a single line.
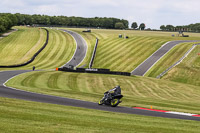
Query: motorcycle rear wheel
[[114, 102]]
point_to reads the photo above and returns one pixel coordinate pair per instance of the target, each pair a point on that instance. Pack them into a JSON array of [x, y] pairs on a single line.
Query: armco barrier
[[94, 53], [94, 70], [33, 58], [179, 61]]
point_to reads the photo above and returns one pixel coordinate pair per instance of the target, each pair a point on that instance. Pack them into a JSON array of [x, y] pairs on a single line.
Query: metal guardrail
[[94, 53], [179, 61]]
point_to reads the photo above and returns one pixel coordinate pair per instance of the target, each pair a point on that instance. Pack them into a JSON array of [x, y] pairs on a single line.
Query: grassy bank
[[23, 116], [112, 51], [187, 71], [58, 51], [90, 39], [21, 45], [169, 59], [138, 91]]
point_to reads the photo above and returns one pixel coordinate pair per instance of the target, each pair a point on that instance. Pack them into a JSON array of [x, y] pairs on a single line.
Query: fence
[[94, 70]]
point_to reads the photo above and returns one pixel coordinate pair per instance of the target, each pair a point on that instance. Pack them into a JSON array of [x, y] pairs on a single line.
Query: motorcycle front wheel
[[114, 102], [101, 102]]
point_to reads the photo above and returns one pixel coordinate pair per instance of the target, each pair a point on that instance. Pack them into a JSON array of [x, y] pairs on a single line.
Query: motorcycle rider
[[115, 91], [112, 97]]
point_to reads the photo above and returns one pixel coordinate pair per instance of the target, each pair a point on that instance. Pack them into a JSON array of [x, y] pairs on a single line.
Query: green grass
[[58, 51], [23, 116], [21, 45], [137, 91], [90, 40], [125, 55], [169, 59], [188, 70], [112, 51]]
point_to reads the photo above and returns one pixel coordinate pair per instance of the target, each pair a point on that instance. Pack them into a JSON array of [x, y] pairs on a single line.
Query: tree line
[[134, 25], [8, 20], [188, 28]]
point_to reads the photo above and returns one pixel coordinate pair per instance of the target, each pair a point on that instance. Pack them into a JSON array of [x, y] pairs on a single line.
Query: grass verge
[[112, 51], [90, 40], [169, 59], [137, 91], [21, 45], [188, 70], [23, 116], [58, 51]]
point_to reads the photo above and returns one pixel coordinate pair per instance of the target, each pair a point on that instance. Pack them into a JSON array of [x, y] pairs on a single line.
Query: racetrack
[[155, 57], [81, 49], [30, 96], [79, 56]]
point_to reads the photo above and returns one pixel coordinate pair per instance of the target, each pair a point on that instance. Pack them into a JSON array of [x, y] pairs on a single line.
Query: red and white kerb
[[169, 112]]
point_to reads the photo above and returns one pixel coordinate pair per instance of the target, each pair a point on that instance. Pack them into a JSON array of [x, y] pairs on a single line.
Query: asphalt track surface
[[81, 49], [155, 57], [30, 96]]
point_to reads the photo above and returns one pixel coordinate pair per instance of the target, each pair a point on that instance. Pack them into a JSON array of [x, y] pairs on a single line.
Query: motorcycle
[[112, 97]]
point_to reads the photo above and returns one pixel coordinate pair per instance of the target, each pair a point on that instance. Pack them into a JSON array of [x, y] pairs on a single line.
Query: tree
[[162, 27], [142, 26], [119, 25], [8, 20], [169, 27], [134, 25], [125, 22]]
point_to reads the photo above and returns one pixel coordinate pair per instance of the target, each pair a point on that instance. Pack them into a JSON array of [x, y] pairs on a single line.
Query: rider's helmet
[[117, 89]]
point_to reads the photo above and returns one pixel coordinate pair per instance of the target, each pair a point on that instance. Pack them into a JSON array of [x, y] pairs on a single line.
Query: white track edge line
[[75, 50], [151, 55], [159, 59], [165, 54], [4, 84], [76, 46], [180, 113]]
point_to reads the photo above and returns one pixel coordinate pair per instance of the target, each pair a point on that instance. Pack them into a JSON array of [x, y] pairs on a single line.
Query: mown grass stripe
[[175, 55], [43, 58], [107, 54], [136, 90], [14, 46], [115, 56], [59, 49]]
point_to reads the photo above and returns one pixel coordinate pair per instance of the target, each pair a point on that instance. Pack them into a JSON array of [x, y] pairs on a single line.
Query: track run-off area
[[155, 57], [78, 57], [81, 49], [30, 96]]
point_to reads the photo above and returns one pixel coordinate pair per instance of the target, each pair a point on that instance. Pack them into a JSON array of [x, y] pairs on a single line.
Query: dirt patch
[[8, 33]]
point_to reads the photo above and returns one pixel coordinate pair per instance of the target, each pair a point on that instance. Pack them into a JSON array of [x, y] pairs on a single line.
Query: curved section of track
[[155, 57], [30, 96], [81, 49]]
